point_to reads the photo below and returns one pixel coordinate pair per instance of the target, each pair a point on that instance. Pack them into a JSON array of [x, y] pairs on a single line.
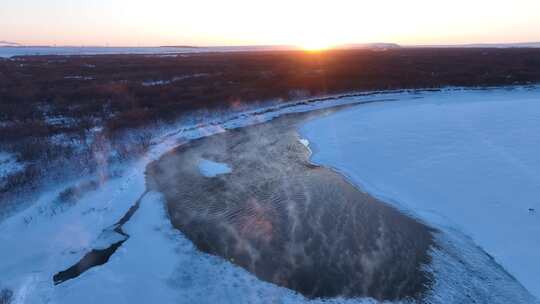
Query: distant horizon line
[[367, 44]]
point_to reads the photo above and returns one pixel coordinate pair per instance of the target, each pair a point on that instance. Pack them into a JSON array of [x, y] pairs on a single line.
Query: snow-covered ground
[[158, 264], [10, 51], [467, 161]]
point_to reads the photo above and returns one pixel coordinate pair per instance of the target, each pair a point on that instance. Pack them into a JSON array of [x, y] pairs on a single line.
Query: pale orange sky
[[242, 22]]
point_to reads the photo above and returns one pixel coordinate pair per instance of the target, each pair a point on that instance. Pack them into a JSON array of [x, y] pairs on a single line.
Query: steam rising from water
[[291, 223]]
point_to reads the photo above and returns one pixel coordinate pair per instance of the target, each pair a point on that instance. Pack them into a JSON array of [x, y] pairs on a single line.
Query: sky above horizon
[[287, 22]]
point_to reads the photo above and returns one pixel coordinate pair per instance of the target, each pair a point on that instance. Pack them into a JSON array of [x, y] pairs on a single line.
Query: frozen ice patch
[[210, 168]]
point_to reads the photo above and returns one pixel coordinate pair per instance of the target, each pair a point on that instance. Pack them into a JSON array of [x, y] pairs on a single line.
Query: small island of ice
[[210, 168]]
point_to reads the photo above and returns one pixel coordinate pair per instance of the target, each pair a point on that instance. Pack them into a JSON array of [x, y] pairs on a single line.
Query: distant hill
[[485, 45], [8, 43], [506, 45], [376, 45], [180, 46]]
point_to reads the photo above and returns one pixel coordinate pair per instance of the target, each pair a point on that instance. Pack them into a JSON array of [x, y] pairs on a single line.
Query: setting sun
[[320, 38], [315, 46]]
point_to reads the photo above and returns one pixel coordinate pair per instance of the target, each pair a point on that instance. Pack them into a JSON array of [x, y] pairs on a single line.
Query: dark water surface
[[289, 222]]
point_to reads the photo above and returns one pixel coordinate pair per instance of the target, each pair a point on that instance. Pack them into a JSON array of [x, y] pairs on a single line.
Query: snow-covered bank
[[464, 160]]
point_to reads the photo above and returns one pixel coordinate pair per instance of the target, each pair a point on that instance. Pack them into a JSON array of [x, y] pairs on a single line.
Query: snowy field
[[468, 161], [11, 51], [480, 147]]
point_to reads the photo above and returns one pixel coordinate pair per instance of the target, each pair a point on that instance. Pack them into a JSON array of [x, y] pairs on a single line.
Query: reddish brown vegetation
[[114, 84], [123, 92]]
